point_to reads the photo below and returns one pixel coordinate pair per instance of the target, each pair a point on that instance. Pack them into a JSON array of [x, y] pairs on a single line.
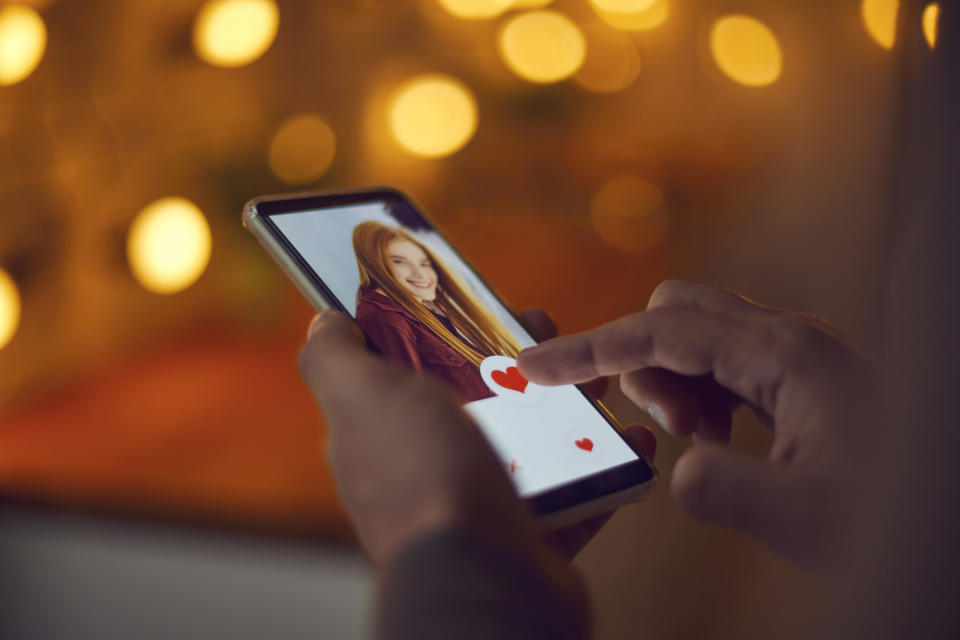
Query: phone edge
[[253, 223]]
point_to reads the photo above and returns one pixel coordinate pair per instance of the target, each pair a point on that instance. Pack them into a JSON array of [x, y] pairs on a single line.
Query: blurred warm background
[[578, 151]]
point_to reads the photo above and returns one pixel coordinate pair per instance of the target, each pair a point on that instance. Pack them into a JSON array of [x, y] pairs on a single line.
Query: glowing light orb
[[23, 39], [475, 9], [623, 6], [302, 149], [232, 33], [530, 4], [543, 46], [746, 50], [652, 16], [433, 115], [630, 213], [9, 308], [168, 245], [880, 19], [612, 62], [931, 20]]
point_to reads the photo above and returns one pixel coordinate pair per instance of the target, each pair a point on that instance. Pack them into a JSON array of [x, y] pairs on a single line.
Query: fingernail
[[657, 415]]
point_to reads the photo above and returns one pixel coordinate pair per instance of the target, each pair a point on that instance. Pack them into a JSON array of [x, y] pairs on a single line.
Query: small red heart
[[586, 444], [510, 379]]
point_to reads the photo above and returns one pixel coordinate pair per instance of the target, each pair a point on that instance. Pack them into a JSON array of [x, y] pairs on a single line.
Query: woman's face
[[412, 269]]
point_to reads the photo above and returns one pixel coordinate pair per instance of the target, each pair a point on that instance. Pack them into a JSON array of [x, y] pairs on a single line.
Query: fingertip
[[642, 439], [530, 361], [716, 485], [558, 361], [330, 321], [691, 480], [332, 335]]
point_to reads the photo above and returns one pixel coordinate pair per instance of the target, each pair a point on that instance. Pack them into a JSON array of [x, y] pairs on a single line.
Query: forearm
[[452, 585]]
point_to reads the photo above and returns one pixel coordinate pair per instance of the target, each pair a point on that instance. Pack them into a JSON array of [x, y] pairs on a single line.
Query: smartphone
[[373, 254]]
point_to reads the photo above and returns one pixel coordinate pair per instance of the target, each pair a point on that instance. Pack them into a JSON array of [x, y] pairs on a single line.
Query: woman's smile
[[422, 285]]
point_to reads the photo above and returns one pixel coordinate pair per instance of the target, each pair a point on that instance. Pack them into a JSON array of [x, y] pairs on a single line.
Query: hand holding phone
[[412, 462]]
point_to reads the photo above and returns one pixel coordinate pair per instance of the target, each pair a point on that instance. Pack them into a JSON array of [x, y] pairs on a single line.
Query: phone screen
[[418, 302]]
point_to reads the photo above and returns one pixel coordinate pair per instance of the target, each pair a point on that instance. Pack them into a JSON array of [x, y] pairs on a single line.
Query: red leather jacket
[[397, 334]]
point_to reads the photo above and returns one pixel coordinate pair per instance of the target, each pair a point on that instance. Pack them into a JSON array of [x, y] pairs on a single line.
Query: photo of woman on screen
[[414, 309]]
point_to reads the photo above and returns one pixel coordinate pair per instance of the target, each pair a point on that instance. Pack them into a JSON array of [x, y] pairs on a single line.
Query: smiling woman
[[415, 310]]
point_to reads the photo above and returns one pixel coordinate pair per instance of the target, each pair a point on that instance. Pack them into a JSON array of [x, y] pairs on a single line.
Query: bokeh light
[[23, 39], [629, 213], [232, 33], [746, 50], [476, 9], [931, 20], [530, 4], [433, 115], [302, 149], [649, 17], [542, 46], [168, 245], [9, 308], [880, 19], [623, 6], [612, 62]]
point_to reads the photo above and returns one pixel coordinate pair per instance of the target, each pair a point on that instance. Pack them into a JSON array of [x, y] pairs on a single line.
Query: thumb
[[333, 327], [334, 352], [763, 500]]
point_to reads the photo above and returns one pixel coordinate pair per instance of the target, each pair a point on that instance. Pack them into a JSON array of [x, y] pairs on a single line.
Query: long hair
[[486, 335]]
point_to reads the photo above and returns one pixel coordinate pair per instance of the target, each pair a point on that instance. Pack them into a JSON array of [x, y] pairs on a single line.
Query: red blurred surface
[[209, 428]]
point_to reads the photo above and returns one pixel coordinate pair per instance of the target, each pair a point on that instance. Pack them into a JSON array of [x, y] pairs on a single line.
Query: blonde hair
[[488, 337]]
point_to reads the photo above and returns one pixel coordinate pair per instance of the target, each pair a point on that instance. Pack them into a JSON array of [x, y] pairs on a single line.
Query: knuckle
[[666, 291], [806, 350], [797, 340]]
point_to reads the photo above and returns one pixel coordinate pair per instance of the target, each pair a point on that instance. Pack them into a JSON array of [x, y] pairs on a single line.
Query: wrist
[[455, 573]]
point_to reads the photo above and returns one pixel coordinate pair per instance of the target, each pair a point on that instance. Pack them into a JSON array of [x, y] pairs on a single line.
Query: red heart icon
[[510, 379], [586, 444]]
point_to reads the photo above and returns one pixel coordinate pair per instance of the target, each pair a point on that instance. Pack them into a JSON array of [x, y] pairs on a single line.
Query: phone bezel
[[637, 474]]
